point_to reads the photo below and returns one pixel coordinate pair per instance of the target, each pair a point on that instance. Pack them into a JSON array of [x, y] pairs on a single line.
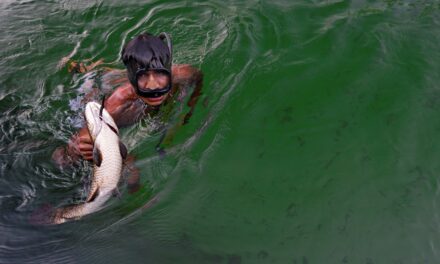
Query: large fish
[[108, 156]]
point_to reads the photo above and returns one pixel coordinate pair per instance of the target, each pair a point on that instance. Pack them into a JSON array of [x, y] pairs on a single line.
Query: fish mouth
[[93, 118], [96, 117]]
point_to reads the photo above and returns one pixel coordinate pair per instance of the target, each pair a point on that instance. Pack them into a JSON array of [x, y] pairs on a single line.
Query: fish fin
[[97, 156], [102, 107], [123, 150], [117, 193], [112, 128], [93, 195]]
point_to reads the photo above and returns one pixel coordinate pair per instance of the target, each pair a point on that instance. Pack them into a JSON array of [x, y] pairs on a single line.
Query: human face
[[153, 80]]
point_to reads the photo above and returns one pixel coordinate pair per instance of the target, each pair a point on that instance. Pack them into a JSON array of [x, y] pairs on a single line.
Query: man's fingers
[[86, 150], [85, 147], [88, 157], [84, 136], [85, 139]]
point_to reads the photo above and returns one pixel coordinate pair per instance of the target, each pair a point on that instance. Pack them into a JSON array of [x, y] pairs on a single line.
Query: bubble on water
[[75, 103], [89, 82]]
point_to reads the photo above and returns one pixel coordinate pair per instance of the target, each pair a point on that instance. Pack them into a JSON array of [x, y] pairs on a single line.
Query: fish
[[108, 156]]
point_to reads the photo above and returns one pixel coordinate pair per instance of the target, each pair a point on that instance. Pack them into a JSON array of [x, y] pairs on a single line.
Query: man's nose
[[152, 82]]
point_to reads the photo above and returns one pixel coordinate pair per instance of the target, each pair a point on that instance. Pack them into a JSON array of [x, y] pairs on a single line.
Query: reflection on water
[[314, 139]]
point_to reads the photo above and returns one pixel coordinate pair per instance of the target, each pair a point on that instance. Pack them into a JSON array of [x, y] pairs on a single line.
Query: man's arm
[[80, 146], [196, 80], [185, 76]]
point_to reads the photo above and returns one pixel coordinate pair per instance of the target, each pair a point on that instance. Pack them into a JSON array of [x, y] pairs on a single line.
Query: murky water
[[315, 139]]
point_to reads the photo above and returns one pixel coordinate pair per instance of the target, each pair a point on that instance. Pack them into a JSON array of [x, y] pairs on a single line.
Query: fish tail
[[74, 212]]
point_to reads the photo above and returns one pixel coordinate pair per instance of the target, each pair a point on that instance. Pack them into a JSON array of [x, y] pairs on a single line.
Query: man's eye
[[160, 75]]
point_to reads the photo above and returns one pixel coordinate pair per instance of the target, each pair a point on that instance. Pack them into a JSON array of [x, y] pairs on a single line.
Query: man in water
[[152, 81]]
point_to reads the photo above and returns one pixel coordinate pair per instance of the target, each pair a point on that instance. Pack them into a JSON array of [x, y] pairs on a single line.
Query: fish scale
[[106, 176]]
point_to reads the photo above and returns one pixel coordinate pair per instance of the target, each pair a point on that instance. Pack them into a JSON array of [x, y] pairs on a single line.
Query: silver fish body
[[108, 159]]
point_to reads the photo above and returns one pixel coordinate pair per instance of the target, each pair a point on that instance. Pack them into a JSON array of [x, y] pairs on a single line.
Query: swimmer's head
[[145, 54]]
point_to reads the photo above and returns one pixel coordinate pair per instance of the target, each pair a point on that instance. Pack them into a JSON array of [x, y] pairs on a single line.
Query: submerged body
[[108, 154]]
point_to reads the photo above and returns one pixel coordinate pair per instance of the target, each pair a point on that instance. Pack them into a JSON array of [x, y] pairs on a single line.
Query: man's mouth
[[155, 100]]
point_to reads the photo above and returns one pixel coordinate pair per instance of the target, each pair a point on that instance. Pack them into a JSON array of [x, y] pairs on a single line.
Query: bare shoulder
[[121, 96], [185, 72], [123, 92]]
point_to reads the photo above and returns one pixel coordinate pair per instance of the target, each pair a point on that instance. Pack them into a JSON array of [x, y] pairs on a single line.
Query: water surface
[[314, 140]]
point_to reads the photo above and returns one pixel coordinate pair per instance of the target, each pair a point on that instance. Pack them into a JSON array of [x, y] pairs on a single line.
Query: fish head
[[96, 118]]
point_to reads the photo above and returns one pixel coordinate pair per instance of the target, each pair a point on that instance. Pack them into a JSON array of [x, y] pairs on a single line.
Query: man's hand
[[82, 144]]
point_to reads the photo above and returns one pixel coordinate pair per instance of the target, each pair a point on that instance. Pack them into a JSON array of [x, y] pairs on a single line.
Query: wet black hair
[[147, 52]]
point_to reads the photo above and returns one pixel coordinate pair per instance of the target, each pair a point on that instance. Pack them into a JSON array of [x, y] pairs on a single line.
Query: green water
[[314, 140]]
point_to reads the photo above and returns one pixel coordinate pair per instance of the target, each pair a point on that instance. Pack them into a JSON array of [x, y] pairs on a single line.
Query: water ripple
[[320, 62]]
